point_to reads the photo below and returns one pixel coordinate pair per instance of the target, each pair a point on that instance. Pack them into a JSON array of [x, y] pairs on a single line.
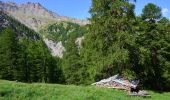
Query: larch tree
[[106, 46]]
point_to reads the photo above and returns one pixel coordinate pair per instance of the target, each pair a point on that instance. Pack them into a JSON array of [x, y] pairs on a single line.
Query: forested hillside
[[59, 35], [63, 31], [71, 36], [24, 56]]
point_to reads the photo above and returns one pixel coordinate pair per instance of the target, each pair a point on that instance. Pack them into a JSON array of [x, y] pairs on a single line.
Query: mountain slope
[[24, 56], [21, 30], [34, 15], [46, 22], [57, 36]]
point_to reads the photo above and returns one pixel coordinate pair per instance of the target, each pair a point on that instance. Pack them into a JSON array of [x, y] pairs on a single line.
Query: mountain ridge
[[34, 15]]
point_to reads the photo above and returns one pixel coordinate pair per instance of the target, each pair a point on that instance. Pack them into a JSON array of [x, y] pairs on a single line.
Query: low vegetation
[[39, 91]]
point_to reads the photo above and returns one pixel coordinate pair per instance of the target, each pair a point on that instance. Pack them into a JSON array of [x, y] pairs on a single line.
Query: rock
[[57, 49], [79, 42], [141, 93]]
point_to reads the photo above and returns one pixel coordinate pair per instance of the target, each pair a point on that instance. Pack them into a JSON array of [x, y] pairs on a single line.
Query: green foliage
[[63, 31], [129, 74], [118, 42], [36, 63], [7, 53], [151, 43], [71, 64], [106, 45], [151, 12]]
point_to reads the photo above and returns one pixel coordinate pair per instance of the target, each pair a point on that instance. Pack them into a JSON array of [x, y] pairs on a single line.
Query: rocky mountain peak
[[10, 3], [31, 5], [34, 15]]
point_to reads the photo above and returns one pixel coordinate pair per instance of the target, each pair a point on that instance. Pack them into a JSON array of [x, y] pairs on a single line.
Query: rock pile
[[118, 82]]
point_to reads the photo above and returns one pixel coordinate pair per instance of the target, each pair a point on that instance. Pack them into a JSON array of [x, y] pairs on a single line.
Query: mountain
[[34, 15], [45, 22]]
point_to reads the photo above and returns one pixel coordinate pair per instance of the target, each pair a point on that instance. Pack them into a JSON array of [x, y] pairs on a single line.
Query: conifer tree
[[152, 43], [7, 54], [106, 45]]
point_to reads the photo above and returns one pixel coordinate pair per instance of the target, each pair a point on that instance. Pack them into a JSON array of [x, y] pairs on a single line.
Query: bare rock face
[[34, 15], [57, 49], [79, 42], [36, 9]]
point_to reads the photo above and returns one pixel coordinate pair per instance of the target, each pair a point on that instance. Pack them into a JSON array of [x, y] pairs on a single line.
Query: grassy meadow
[[10, 90]]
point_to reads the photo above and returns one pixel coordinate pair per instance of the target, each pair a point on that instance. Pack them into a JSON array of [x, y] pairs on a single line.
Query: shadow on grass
[[4, 93]]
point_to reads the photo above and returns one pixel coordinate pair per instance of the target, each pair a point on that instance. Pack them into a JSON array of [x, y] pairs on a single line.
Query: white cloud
[[165, 11]]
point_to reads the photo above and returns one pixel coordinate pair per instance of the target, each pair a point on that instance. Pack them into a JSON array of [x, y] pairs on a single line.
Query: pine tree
[[71, 62], [152, 43]]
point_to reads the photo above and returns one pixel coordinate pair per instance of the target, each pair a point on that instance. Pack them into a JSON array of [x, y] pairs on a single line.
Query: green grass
[[38, 91]]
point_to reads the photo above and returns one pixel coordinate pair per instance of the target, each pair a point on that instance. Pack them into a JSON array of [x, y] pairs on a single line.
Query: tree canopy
[[151, 12]]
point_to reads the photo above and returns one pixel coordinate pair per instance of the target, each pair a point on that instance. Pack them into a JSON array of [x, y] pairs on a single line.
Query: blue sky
[[79, 8]]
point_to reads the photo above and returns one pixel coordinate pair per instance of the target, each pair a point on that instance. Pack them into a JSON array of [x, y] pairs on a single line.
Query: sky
[[79, 8]]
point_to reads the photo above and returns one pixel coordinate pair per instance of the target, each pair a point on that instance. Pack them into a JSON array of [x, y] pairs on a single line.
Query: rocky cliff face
[[57, 49], [34, 15]]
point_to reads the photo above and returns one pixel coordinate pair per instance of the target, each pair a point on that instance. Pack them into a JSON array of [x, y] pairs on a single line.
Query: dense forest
[[24, 56], [115, 42]]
